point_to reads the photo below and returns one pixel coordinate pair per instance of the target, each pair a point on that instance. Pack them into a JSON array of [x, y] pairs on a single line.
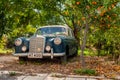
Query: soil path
[[7, 58]]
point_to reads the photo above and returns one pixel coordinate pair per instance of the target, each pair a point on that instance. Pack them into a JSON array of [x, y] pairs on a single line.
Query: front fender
[[56, 48], [25, 42]]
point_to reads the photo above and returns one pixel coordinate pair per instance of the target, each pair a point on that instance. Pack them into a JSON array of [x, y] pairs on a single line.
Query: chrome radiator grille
[[37, 45]]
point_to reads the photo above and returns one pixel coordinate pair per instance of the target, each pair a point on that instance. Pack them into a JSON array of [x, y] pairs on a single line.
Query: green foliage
[[21, 62], [22, 31], [88, 52], [6, 51], [12, 73], [3, 41], [85, 72], [27, 31], [106, 41], [113, 41], [21, 17]]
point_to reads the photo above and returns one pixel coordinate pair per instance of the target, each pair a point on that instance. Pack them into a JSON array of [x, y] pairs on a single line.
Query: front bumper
[[37, 55]]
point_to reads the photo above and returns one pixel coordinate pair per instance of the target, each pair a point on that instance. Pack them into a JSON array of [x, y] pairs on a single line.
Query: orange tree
[[15, 17], [105, 35], [83, 16], [94, 16], [99, 14]]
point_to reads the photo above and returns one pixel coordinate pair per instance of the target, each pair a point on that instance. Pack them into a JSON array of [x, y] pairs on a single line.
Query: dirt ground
[[101, 65]]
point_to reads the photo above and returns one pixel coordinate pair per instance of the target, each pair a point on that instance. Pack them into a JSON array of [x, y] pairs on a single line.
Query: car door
[[72, 42]]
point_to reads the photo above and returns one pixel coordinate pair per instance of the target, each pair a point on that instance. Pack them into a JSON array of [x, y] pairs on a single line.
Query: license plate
[[35, 55]]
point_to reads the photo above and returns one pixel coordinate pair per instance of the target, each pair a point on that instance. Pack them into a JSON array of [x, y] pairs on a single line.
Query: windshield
[[51, 30]]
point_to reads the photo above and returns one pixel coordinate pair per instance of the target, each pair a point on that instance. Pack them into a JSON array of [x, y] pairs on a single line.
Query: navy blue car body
[[48, 41]]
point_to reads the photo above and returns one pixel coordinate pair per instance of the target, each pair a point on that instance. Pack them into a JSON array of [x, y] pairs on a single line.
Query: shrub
[[12, 73], [85, 71]]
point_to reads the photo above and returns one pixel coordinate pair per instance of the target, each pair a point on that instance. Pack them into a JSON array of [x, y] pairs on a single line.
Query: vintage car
[[48, 41]]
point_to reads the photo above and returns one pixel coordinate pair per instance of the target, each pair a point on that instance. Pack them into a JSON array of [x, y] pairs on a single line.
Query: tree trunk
[[75, 30], [119, 59], [83, 45]]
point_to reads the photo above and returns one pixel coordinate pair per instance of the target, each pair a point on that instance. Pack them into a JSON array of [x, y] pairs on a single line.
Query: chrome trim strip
[[52, 54], [44, 54], [20, 54]]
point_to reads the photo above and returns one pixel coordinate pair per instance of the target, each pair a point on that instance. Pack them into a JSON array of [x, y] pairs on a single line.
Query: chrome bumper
[[42, 55]]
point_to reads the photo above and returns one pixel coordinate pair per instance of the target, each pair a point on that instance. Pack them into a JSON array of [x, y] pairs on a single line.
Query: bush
[[12, 73], [106, 41], [85, 71], [26, 31], [3, 42]]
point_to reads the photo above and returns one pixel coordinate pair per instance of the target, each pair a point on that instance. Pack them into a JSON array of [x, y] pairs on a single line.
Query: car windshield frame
[[51, 31]]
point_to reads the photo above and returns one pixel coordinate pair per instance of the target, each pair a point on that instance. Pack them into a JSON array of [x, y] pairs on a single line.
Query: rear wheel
[[76, 52]]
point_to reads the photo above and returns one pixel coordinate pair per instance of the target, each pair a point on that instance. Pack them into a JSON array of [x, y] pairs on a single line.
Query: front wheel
[[23, 58], [64, 59]]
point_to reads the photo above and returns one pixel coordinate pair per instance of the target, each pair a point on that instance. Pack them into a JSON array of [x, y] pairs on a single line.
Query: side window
[[72, 34], [69, 32]]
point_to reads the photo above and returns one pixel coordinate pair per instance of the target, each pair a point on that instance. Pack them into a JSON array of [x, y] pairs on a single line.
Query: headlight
[[57, 41], [18, 42], [48, 48], [24, 48]]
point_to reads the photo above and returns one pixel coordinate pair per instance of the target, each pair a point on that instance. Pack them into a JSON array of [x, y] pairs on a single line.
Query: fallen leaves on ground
[[102, 66]]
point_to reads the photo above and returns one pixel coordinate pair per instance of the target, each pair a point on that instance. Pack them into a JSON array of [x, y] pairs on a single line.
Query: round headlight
[[48, 48], [24, 48], [57, 41], [18, 42]]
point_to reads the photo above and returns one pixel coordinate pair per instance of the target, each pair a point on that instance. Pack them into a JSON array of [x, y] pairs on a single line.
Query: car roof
[[64, 26]]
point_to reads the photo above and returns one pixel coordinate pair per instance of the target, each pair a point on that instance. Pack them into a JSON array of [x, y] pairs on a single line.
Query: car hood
[[49, 37]]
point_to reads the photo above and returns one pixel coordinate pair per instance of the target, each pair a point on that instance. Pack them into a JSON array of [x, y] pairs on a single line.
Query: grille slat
[[37, 45]]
